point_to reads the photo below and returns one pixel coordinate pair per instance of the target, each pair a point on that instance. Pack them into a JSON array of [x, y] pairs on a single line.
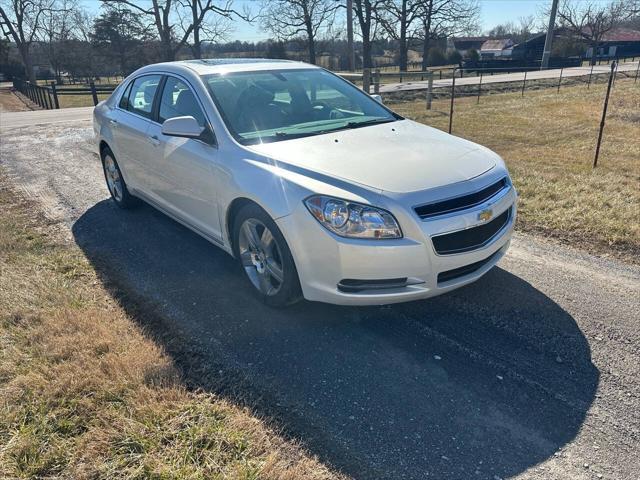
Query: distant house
[[465, 44], [620, 42], [496, 47], [531, 49]]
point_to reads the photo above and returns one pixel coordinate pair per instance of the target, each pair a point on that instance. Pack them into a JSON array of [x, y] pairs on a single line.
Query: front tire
[[115, 182], [265, 257]]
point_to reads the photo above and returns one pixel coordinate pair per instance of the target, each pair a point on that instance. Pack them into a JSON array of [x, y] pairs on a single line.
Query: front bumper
[[411, 265]]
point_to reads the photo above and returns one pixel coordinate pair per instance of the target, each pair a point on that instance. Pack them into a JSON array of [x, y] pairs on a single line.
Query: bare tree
[[592, 20], [214, 26], [518, 32], [446, 18], [161, 14], [368, 13], [60, 26], [22, 21], [295, 18], [397, 19]]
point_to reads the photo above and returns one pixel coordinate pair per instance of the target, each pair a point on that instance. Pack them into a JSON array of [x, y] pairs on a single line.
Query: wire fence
[[454, 100], [485, 82]]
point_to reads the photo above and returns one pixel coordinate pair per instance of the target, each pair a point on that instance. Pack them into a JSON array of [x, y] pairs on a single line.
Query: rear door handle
[[154, 140]]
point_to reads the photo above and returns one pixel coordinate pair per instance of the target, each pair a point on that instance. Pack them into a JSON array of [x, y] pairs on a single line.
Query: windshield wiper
[[351, 124], [292, 134], [371, 121]]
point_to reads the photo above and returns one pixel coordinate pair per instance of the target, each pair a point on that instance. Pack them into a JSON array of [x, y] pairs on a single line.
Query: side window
[[178, 101], [143, 90], [125, 97]]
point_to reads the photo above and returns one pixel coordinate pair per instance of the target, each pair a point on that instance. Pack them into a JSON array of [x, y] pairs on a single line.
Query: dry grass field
[[85, 394], [548, 142]]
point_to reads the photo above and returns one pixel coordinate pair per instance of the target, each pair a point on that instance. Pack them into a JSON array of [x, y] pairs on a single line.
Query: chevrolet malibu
[[315, 187]]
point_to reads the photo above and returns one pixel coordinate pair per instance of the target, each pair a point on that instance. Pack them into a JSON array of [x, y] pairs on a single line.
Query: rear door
[[129, 123], [185, 167]]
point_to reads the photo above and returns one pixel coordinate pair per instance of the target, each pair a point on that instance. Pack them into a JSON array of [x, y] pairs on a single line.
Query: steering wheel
[[325, 107]]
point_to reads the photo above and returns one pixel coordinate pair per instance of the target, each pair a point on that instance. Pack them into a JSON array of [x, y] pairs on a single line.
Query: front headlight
[[349, 219]]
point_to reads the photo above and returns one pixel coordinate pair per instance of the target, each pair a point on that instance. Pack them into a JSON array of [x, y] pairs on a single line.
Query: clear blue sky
[[494, 12]]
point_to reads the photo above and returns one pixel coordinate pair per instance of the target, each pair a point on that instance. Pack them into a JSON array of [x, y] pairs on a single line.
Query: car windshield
[[269, 106]]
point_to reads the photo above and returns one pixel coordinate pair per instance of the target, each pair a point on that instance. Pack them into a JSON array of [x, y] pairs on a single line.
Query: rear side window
[[178, 100], [125, 97], [141, 95]]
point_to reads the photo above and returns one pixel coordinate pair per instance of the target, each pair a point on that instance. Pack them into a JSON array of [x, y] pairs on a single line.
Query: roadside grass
[[548, 142], [80, 100], [85, 394]]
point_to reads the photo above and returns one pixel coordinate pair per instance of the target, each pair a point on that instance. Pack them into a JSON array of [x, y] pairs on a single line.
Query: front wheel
[[265, 257], [115, 182]]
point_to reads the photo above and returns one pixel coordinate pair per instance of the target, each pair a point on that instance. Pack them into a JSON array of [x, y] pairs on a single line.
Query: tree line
[[128, 33]]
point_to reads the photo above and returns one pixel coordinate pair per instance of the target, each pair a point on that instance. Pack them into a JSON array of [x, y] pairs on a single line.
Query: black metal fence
[[47, 96]]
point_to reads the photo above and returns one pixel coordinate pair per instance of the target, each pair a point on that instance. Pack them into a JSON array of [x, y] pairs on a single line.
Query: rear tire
[[265, 257], [115, 181]]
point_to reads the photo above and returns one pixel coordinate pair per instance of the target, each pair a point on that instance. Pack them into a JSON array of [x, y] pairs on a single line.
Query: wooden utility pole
[[546, 54], [350, 46]]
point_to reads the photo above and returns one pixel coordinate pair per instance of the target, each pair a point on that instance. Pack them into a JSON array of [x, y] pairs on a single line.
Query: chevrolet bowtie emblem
[[485, 215]]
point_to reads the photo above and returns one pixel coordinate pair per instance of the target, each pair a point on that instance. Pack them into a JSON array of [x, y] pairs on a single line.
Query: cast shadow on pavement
[[487, 381]]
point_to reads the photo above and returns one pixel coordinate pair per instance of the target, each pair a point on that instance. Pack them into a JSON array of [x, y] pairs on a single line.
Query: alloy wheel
[[261, 256], [114, 180]]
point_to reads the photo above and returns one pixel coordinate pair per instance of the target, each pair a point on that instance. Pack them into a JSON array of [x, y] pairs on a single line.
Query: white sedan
[[318, 189]]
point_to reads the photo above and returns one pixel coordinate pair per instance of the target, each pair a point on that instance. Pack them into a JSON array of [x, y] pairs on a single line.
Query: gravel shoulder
[[531, 373]]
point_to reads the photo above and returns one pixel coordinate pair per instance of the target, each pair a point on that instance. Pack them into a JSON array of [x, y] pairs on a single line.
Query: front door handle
[[154, 140], [114, 123]]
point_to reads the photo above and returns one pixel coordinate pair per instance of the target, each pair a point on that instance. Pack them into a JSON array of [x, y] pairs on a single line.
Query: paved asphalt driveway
[[532, 372]]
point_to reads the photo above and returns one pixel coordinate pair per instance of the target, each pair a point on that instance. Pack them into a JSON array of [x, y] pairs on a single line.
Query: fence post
[[524, 83], [376, 81], [479, 88], [604, 115], [429, 91], [39, 96], [366, 79], [50, 98], [560, 79], [453, 96], [56, 104], [590, 75], [45, 97], [94, 94]]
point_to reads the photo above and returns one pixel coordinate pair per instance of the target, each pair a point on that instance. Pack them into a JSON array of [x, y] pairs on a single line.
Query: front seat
[[255, 111], [186, 104]]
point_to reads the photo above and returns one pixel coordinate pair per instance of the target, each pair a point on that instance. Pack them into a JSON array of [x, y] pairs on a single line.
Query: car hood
[[402, 156]]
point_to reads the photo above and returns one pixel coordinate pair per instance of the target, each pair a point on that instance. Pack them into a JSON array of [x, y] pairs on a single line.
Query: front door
[[185, 167]]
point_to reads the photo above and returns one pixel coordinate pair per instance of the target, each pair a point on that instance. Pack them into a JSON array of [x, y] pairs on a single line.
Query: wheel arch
[[232, 212], [103, 147]]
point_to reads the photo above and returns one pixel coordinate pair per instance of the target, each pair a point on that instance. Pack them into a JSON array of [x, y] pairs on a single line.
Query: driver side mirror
[[186, 127]]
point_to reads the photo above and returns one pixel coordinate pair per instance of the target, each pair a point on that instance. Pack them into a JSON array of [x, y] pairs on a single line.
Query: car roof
[[227, 65]]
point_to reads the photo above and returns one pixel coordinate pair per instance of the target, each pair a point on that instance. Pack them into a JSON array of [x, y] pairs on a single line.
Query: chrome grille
[[463, 202], [470, 238]]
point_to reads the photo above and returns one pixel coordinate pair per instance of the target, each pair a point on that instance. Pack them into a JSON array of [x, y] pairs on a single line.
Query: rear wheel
[[265, 257], [115, 181]]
